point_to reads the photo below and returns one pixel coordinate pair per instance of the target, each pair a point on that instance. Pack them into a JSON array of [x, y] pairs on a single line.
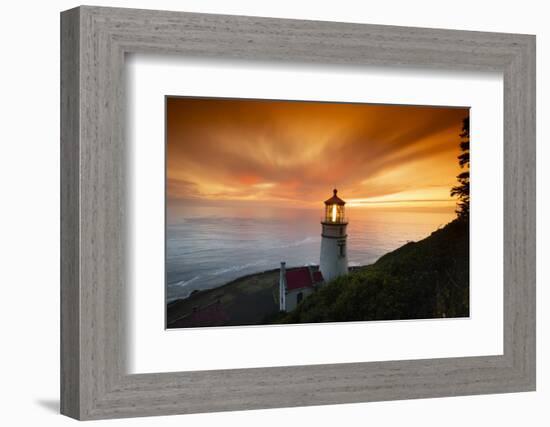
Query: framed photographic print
[[262, 213], [251, 240]]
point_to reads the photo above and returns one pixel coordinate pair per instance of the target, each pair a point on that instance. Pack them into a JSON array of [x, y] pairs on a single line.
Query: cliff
[[420, 280]]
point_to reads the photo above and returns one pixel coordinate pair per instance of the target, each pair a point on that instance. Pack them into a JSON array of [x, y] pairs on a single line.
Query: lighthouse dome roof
[[334, 200]]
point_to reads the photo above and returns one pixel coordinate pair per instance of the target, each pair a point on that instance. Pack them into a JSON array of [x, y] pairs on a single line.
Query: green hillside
[[425, 279]]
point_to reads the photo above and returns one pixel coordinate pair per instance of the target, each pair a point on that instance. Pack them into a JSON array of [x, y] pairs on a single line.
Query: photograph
[[289, 212]]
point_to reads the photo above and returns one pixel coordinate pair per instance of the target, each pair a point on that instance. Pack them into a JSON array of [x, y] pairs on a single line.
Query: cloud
[[277, 151]]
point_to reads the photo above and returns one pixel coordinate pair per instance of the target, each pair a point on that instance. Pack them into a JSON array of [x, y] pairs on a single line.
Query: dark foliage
[[462, 190]]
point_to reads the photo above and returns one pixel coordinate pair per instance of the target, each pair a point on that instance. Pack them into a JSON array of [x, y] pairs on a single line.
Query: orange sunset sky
[[285, 153]]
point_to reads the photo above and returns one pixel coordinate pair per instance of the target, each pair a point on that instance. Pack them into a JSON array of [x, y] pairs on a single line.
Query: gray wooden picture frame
[[94, 382]]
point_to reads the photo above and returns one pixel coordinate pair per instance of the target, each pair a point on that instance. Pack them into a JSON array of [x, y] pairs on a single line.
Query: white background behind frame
[[34, 398], [153, 349]]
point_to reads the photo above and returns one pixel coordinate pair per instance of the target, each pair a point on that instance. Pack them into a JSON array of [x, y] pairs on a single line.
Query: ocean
[[208, 247]]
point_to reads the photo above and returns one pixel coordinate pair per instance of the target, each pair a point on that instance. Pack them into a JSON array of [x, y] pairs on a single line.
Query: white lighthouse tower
[[334, 258]]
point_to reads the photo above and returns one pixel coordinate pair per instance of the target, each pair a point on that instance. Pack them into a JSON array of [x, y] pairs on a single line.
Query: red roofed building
[[296, 284]]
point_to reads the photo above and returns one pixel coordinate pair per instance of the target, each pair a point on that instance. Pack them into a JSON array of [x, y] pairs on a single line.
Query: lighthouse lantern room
[[334, 259]]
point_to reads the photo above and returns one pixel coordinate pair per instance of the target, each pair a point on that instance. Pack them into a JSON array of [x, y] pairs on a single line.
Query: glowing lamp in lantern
[[334, 209]]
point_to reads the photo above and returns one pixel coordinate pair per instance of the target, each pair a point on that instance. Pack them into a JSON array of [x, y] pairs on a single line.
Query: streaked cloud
[[275, 152]]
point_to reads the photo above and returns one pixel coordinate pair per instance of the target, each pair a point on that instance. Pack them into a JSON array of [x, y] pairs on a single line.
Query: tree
[[462, 190]]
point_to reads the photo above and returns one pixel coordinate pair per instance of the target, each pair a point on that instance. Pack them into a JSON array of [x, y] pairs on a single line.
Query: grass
[[245, 301]]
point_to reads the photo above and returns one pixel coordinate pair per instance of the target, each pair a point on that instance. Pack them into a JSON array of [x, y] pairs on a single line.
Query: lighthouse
[[334, 258]]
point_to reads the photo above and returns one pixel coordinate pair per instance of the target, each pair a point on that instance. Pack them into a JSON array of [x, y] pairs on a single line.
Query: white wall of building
[[334, 252], [292, 297]]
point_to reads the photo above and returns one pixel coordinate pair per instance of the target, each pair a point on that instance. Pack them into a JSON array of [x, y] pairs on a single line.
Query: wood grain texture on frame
[[94, 381]]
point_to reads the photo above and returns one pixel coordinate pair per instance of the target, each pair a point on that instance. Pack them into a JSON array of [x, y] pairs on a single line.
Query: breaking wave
[[234, 268], [183, 283], [301, 242]]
